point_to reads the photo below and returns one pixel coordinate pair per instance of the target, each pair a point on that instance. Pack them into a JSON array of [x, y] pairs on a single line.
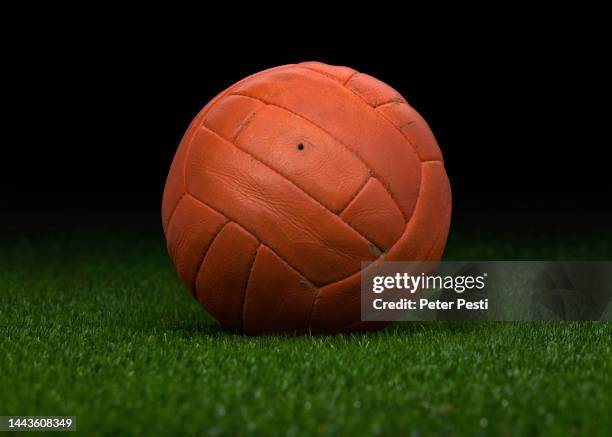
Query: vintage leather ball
[[286, 182]]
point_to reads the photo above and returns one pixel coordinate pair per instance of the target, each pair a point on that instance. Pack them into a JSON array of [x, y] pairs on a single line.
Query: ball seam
[[383, 183]]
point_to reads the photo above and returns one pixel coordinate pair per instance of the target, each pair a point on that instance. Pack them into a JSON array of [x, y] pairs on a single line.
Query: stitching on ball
[[347, 80], [305, 67], [253, 234], [370, 106], [293, 183], [336, 139], [384, 117], [244, 122], [375, 108], [246, 285], [397, 100], [319, 286], [203, 258], [172, 211], [211, 105], [354, 196], [418, 198], [300, 147]]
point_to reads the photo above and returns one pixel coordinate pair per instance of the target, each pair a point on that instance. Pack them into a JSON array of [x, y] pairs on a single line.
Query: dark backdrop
[[94, 113]]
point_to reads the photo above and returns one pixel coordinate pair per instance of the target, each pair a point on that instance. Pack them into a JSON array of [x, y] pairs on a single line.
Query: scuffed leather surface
[[286, 181]]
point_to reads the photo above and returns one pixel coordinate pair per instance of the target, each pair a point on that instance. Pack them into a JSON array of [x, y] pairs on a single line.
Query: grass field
[[95, 323]]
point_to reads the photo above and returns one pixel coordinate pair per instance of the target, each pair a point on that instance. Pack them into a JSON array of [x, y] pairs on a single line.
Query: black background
[[95, 112]]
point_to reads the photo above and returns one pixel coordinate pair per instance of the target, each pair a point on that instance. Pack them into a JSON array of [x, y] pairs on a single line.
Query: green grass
[[95, 323]]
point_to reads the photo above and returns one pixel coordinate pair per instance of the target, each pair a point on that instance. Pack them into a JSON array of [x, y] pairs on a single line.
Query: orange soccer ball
[[286, 182]]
